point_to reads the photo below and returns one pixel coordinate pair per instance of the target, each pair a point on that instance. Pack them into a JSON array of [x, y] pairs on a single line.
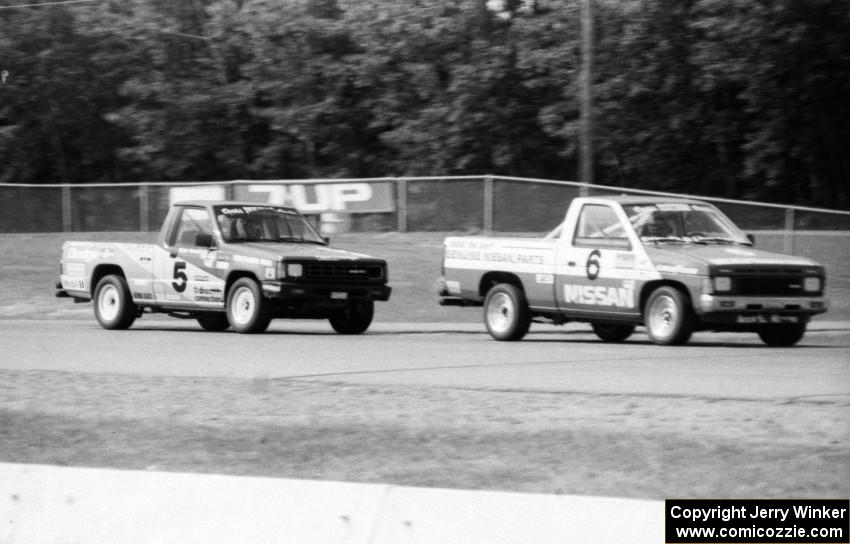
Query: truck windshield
[[683, 222], [260, 223]]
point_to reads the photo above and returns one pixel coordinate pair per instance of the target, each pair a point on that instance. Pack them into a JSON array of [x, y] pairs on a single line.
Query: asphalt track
[[459, 355]]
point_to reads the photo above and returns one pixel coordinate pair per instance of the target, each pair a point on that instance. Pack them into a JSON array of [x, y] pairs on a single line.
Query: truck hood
[[699, 258], [275, 251]]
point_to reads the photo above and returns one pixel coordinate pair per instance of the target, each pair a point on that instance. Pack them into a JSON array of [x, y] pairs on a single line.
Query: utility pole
[[586, 77]]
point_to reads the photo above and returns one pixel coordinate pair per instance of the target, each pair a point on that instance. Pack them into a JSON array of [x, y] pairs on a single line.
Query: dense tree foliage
[[736, 98]]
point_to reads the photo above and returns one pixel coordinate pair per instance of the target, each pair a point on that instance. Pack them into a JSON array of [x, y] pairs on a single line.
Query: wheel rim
[[663, 317], [243, 306], [109, 302], [500, 312]]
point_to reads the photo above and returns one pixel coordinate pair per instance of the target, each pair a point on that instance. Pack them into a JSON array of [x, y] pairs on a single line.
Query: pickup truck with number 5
[[673, 265], [226, 264]]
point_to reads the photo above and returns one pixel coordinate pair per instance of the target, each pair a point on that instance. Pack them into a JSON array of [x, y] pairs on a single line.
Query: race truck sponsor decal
[[90, 253], [677, 269], [189, 278], [75, 284], [208, 294], [75, 269], [353, 197], [134, 259], [545, 279], [601, 295], [483, 254]]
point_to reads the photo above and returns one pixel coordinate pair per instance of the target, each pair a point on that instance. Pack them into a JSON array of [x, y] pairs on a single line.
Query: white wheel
[[501, 313], [109, 302], [247, 309], [113, 305], [667, 317], [506, 313], [244, 306]]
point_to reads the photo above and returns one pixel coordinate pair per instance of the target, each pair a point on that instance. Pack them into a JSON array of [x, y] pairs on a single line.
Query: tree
[[59, 83]]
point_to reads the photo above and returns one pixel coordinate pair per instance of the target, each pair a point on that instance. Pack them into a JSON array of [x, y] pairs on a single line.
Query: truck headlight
[[294, 270], [722, 283], [811, 285]]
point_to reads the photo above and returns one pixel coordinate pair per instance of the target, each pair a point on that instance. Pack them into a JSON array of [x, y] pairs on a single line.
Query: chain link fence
[[462, 203]]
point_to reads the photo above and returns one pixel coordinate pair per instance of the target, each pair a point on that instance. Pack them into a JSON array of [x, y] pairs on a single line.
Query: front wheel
[[247, 308], [354, 319], [506, 313], [667, 317], [613, 333], [782, 335], [113, 304]]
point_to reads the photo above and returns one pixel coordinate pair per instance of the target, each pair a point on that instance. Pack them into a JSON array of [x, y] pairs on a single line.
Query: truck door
[[596, 265], [185, 271]]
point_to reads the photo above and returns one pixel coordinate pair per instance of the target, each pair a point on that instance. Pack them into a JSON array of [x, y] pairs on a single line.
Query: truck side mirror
[[204, 239], [751, 238]]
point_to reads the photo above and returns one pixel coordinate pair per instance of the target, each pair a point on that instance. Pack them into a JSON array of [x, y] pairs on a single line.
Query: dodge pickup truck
[[673, 265], [226, 264]]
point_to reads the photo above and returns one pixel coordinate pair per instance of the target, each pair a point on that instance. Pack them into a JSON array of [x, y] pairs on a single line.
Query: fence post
[[789, 230], [488, 204], [144, 208], [401, 202], [67, 223]]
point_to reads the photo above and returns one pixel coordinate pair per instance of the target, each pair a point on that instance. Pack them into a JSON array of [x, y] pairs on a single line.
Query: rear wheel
[[113, 304], [613, 333], [506, 312], [667, 316], [247, 308], [214, 322], [784, 334], [354, 319]]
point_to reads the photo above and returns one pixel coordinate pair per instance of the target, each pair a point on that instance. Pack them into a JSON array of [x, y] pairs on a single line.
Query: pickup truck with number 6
[[226, 264], [673, 265]]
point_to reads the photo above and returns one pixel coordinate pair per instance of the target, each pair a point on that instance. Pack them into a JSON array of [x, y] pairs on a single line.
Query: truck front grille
[[764, 281], [343, 271], [768, 286]]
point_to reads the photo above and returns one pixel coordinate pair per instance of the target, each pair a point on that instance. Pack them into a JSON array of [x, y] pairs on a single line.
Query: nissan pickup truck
[[673, 265], [227, 265]]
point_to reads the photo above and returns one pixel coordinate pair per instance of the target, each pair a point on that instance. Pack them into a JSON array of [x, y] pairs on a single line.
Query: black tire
[[610, 332], [667, 317], [782, 335], [247, 309], [113, 304], [506, 313], [354, 319], [214, 322]]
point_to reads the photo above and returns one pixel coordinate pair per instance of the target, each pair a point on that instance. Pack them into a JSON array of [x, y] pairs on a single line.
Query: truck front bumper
[[751, 310], [281, 290]]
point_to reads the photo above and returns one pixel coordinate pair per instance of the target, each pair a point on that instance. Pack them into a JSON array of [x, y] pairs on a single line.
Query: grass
[[615, 445]]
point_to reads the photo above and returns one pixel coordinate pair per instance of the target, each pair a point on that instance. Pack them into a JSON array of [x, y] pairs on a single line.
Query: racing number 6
[[180, 277], [592, 266]]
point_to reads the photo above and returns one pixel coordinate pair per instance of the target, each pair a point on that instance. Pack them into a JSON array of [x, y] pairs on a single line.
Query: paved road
[[563, 359]]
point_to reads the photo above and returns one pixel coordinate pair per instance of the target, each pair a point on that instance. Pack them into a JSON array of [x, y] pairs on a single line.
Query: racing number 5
[[180, 278]]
